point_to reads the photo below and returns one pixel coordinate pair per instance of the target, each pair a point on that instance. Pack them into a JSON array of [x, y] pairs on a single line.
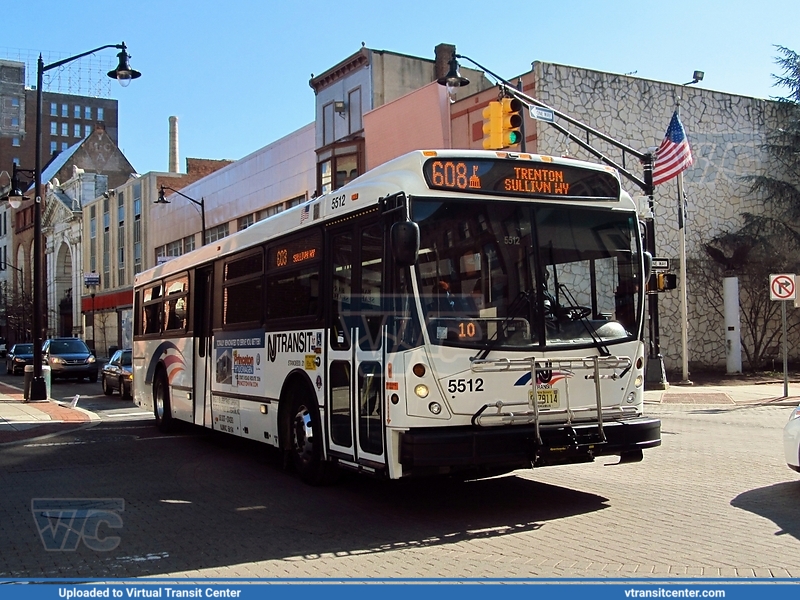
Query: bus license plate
[[547, 398]]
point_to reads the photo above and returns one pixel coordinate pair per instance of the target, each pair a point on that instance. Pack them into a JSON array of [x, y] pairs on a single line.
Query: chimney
[[173, 145], [443, 54]]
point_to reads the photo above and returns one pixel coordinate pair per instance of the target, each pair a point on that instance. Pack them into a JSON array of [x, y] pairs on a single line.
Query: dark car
[[69, 357], [19, 356], [117, 374]]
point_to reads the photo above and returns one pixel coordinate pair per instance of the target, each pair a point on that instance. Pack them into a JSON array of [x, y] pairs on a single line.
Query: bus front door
[[354, 402]]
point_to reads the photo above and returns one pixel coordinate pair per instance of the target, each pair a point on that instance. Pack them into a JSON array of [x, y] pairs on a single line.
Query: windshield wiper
[[581, 315], [522, 300]]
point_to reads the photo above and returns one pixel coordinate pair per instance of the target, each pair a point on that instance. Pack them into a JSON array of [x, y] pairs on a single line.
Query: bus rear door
[[203, 363]]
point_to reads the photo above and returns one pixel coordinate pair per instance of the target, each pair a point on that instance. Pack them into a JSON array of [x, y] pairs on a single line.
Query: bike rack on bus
[[596, 365]]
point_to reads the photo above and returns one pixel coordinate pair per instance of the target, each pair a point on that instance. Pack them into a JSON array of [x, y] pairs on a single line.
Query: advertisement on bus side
[[239, 358]]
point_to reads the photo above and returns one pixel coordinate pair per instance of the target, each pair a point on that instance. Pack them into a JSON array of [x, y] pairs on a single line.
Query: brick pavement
[[20, 420]]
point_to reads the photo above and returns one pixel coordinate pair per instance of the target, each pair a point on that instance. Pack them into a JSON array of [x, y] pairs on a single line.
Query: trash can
[[29, 379]]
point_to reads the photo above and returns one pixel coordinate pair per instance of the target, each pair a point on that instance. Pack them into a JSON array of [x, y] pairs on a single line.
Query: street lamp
[[15, 194], [124, 74], [162, 199]]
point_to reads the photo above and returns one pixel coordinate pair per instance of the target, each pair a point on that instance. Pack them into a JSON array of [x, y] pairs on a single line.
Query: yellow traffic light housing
[[492, 126], [511, 122], [661, 282]]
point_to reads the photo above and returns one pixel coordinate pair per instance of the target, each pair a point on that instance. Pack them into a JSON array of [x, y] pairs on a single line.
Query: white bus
[[450, 312]]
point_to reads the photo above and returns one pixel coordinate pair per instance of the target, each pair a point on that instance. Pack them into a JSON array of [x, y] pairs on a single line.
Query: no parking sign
[[782, 287]]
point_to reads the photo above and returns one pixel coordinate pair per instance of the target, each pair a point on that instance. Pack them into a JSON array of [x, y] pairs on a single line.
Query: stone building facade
[[726, 133]]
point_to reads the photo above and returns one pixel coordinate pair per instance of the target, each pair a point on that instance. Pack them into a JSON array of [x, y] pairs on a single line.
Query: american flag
[[304, 214], [674, 154]]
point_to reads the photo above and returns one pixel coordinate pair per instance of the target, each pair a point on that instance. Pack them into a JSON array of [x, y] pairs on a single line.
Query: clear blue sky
[[236, 73]]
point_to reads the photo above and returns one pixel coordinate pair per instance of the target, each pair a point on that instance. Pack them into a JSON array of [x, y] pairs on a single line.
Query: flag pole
[[683, 291]]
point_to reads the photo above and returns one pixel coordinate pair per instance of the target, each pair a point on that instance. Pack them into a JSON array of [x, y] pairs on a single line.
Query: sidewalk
[[20, 420], [768, 393]]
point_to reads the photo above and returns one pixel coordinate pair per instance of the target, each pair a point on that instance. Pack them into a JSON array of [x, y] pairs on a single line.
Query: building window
[[216, 233], [64, 110], [354, 109], [338, 170], [188, 244], [53, 148], [15, 102], [15, 141], [100, 113], [106, 259], [137, 226], [64, 146], [15, 122], [65, 129], [77, 130], [93, 239], [88, 113], [120, 240], [245, 222], [175, 248], [77, 111], [327, 124], [106, 215], [87, 130], [53, 109], [53, 128], [106, 245]]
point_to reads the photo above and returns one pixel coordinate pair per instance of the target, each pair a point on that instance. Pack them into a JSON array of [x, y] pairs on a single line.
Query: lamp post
[[162, 199], [124, 74]]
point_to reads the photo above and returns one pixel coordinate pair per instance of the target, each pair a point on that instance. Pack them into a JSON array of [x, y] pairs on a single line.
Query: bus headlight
[[638, 381], [422, 390]]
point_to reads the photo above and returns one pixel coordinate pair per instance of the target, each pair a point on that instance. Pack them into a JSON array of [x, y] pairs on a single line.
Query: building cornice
[[356, 61]]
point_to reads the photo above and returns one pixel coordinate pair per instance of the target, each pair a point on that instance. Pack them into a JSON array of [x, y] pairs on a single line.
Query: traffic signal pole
[[655, 374]]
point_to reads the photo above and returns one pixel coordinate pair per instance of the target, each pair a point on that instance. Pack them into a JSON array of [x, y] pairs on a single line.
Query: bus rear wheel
[[161, 403], [305, 442]]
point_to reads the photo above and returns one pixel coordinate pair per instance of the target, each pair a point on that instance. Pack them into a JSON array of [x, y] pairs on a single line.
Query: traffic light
[[492, 126], [511, 122], [661, 282]]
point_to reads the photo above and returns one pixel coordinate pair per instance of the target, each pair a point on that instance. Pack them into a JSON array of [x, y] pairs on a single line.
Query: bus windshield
[[520, 275]]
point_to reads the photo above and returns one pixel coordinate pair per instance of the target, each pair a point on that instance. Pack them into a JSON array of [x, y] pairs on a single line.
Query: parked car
[[117, 374], [19, 356], [69, 357], [791, 440]]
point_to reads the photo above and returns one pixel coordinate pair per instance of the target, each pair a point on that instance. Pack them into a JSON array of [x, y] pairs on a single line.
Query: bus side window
[[152, 318]]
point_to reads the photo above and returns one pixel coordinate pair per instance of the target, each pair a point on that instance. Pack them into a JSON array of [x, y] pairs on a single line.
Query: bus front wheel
[[305, 442], [161, 404]]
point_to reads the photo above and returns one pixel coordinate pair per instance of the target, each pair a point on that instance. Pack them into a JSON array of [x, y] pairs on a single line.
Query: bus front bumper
[[504, 448]]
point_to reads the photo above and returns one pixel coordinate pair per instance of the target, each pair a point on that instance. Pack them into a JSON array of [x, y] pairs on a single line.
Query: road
[[715, 500]]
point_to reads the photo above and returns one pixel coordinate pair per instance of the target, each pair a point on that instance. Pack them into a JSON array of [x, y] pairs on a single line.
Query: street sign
[[542, 114], [782, 287], [660, 264], [91, 279]]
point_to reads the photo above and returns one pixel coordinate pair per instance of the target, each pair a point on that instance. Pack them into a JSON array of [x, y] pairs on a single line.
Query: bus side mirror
[[648, 265], [405, 242]]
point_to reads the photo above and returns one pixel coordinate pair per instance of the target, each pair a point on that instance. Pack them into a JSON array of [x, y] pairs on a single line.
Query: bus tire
[[161, 403], [305, 441]]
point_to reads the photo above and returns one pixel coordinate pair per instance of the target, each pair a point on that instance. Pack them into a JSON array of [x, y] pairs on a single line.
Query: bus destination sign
[[517, 178]]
